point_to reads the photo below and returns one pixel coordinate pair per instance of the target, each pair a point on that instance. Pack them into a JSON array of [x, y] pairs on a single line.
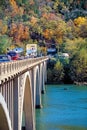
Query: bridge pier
[[43, 83], [16, 103], [44, 78], [38, 89]]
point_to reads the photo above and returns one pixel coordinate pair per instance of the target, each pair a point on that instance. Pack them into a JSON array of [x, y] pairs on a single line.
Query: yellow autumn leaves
[[80, 21], [3, 27]]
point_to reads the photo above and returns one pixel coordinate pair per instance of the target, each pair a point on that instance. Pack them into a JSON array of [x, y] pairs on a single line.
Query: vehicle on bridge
[[13, 54], [31, 50], [5, 58]]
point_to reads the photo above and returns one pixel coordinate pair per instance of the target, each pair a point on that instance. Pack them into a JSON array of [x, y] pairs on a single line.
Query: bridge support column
[[43, 87], [38, 90], [33, 81], [43, 78], [16, 102], [45, 71]]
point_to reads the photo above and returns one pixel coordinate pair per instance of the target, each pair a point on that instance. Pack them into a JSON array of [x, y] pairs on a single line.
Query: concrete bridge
[[21, 84]]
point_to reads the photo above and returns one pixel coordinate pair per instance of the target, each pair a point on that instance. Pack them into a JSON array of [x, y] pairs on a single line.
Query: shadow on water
[[23, 128]]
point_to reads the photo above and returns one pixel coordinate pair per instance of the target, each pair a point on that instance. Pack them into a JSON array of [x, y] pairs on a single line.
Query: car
[[5, 58], [14, 55]]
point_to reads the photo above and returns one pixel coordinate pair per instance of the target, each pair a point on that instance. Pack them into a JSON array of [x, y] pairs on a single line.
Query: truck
[[31, 50]]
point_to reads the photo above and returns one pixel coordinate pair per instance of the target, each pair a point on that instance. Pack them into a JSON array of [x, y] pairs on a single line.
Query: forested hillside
[[59, 22], [27, 21]]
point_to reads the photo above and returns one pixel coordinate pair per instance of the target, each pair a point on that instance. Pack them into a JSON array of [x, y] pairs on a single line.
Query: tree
[[72, 46], [3, 27], [58, 72], [80, 21], [81, 26], [78, 68], [50, 76], [19, 32], [5, 43], [78, 61]]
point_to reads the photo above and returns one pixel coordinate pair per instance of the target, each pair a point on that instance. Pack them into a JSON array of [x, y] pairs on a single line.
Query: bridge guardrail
[[9, 69]]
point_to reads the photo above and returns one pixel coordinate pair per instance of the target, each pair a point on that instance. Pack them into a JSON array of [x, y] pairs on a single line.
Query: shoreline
[[80, 83], [75, 83]]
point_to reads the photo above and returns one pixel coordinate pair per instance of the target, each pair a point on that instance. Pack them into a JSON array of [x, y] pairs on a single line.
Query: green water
[[63, 109]]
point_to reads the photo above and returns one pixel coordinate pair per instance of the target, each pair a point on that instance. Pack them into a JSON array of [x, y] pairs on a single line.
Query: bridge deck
[[13, 68]]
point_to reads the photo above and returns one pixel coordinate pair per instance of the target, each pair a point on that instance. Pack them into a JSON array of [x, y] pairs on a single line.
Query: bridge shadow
[[23, 128]]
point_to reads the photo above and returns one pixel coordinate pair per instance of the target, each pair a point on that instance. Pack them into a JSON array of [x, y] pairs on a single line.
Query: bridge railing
[[9, 69]]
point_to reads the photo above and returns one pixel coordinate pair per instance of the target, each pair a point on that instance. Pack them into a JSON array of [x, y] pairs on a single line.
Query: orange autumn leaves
[[19, 32], [56, 33], [60, 31], [49, 16], [14, 6], [48, 33], [33, 20]]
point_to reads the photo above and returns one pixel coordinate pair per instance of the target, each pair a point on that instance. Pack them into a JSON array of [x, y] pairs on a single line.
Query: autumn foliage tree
[[80, 21], [81, 26], [3, 27], [14, 7], [19, 32]]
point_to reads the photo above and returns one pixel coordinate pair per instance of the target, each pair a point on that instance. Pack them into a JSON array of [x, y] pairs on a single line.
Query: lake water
[[63, 109]]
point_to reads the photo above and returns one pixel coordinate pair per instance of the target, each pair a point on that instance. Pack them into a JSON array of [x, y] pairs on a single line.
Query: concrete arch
[[5, 123], [27, 105]]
